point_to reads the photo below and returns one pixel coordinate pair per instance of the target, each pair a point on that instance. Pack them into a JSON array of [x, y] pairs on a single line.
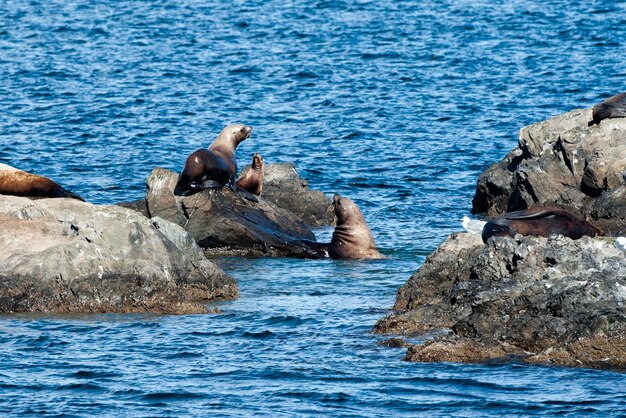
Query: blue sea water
[[399, 105]]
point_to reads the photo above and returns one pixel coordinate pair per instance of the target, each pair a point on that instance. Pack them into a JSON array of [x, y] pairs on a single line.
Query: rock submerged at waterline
[[540, 300], [64, 255], [526, 298], [224, 222], [560, 162]]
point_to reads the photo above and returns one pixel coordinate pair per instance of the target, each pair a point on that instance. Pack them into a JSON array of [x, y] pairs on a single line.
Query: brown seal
[[613, 107], [542, 221], [352, 237], [21, 183], [253, 179], [214, 167]]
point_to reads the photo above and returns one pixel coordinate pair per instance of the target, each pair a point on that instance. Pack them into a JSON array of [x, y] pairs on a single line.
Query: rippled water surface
[[399, 105]]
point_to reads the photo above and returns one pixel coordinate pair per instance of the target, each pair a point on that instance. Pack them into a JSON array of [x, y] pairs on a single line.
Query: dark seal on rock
[[613, 107], [541, 221], [20, 183], [352, 237], [214, 167], [252, 181]]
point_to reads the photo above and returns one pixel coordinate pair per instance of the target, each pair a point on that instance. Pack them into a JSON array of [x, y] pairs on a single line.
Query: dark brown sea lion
[[352, 237], [20, 183], [253, 180], [215, 167], [542, 221], [613, 107]]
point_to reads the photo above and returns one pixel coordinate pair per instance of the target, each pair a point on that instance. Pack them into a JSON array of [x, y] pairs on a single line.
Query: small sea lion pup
[[215, 167], [542, 221], [352, 237], [253, 180], [613, 107], [20, 183]]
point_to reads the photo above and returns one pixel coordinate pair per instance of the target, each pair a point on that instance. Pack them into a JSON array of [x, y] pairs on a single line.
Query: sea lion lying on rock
[[613, 107], [252, 181], [214, 167], [351, 239], [20, 183], [542, 221]]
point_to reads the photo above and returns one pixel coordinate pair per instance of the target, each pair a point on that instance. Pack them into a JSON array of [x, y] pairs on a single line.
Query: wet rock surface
[[537, 300], [283, 186], [225, 222], [63, 255], [559, 162]]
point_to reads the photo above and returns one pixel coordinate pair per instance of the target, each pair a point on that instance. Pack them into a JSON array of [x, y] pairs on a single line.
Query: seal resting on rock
[[542, 221], [20, 183], [253, 180], [613, 107], [215, 167], [352, 237]]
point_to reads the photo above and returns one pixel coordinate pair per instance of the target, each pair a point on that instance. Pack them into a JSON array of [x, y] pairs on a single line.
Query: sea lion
[[21, 183], [351, 239], [613, 107], [542, 221], [253, 180], [215, 167]]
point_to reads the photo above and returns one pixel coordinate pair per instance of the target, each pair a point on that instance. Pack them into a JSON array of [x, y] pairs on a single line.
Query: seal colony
[[21, 183]]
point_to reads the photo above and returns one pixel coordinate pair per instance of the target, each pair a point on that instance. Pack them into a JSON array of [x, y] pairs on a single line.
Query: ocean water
[[399, 105]]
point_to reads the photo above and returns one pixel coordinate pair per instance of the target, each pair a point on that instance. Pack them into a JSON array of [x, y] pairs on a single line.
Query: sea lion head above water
[[352, 237]]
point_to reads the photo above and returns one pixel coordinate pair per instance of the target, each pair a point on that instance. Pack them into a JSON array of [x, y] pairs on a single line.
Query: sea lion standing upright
[[253, 180], [351, 239], [213, 167], [613, 107], [542, 221], [21, 183]]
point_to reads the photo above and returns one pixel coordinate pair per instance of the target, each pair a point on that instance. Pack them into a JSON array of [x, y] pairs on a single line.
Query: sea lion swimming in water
[[21, 183], [214, 167], [253, 180], [613, 107], [352, 237], [542, 221]]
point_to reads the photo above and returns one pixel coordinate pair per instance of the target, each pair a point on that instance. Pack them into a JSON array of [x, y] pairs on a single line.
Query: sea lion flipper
[[72, 195], [524, 215]]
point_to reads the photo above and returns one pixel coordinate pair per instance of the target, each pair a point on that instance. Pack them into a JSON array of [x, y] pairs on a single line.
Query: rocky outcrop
[[224, 222], [559, 162], [283, 186], [64, 255], [539, 300]]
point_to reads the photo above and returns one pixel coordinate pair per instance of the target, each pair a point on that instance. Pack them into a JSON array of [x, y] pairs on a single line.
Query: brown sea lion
[[352, 237], [215, 167], [542, 221], [20, 183], [613, 107], [253, 180]]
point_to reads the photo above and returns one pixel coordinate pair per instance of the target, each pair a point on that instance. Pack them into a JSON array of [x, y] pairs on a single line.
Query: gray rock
[[542, 300], [283, 186], [223, 221], [63, 255], [559, 162]]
